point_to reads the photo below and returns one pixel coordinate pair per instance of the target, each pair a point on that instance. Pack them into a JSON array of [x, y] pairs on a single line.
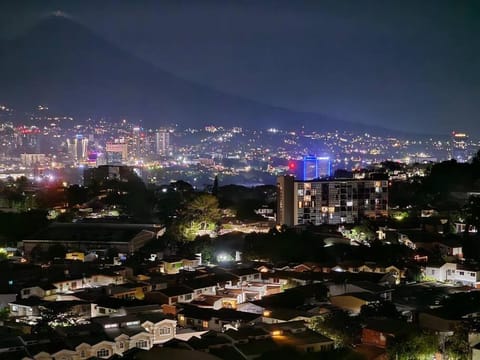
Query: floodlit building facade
[[162, 142], [336, 201]]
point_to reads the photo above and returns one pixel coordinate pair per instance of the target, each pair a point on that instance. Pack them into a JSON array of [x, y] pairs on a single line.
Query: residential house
[[283, 278], [7, 295], [353, 302], [467, 275], [441, 272], [171, 295], [215, 302], [41, 291], [383, 292], [110, 336], [302, 268], [461, 227], [244, 275], [209, 319], [280, 315], [25, 307], [379, 331], [202, 285], [439, 321], [172, 265], [297, 335], [190, 264], [75, 255], [104, 307], [476, 352], [77, 308], [452, 248], [464, 274], [69, 285], [128, 291], [127, 238]]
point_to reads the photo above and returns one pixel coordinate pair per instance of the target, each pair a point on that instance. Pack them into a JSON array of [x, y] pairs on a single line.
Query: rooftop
[[175, 291], [99, 232], [301, 338]]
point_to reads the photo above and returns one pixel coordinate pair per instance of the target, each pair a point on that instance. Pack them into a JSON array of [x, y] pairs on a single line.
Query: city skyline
[[408, 67]]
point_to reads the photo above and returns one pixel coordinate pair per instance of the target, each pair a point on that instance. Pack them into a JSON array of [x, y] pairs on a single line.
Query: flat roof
[[93, 232]]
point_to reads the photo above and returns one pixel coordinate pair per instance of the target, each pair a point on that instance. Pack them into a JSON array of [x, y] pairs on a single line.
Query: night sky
[[408, 65]]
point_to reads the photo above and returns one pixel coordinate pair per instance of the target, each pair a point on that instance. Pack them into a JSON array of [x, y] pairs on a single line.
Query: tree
[[200, 214], [338, 326], [204, 210], [4, 313], [201, 245], [3, 255], [76, 194], [12, 225], [381, 309], [50, 197], [457, 346], [471, 212], [414, 346], [38, 254], [182, 187], [56, 251], [342, 174], [364, 231], [215, 186], [168, 204], [112, 252]]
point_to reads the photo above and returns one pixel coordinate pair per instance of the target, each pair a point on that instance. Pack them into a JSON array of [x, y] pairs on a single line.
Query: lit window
[[103, 353], [133, 323], [142, 344], [164, 331]]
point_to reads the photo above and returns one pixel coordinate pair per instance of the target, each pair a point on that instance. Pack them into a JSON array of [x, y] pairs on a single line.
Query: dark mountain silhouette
[[63, 64]]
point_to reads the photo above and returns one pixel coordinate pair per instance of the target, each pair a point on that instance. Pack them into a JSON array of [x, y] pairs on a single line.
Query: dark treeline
[[289, 245], [438, 188]]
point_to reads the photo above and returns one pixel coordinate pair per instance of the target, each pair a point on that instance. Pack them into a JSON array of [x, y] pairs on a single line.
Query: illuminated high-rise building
[[136, 143], [459, 147], [285, 198], [78, 148], [28, 139], [162, 142], [318, 202], [117, 153], [32, 159], [310, 167]]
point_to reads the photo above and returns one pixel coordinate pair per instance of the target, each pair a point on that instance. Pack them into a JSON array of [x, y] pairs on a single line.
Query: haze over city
[[409, 65]]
